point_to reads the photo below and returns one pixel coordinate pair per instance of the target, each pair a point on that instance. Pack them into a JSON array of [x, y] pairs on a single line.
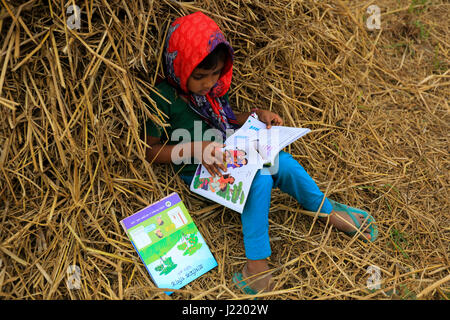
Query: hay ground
[[72, 165]]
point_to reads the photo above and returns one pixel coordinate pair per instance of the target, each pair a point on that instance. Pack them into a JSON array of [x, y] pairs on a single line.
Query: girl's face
[[201, 80]]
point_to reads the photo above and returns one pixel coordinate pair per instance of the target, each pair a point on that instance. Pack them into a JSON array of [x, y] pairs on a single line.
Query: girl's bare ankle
[[259, 282], [257, 266]]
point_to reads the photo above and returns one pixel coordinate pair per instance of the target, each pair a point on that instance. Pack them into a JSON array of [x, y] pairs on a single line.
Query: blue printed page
[[268, 142]]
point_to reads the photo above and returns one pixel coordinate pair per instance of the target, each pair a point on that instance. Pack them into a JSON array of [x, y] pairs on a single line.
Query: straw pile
[[72, 165]]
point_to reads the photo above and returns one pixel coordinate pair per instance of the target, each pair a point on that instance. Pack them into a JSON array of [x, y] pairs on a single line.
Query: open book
[[247, 150]]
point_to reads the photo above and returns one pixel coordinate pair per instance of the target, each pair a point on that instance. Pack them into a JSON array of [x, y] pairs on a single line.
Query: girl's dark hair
[[219, 53]]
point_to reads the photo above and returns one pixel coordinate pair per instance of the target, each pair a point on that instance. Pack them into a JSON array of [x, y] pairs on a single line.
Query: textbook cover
[[169, 243]]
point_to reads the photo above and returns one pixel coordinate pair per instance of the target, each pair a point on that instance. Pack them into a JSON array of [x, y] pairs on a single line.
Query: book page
[[230, 189], [271, 141], [239, 157], [268, 142], [246, 151]]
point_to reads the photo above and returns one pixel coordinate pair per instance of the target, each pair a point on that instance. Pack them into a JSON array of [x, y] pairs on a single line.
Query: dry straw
[[72, 163]]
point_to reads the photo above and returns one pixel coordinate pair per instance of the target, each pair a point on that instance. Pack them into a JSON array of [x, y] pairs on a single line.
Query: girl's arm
[[241, 117], [204, 151], [158, 153], [266, 116]]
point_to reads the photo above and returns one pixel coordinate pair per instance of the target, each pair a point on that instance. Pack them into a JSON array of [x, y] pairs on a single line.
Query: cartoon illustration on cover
[[169, 243], [165, 239]]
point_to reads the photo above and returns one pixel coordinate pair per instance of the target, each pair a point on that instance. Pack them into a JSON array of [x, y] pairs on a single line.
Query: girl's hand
[[213, 158], [269, 118]]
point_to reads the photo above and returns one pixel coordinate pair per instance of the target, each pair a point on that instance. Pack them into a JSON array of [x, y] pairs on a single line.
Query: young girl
[[198, 65]]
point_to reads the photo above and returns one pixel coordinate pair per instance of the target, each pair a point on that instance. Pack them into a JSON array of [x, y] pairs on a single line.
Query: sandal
[[240, 283], [350, 211]]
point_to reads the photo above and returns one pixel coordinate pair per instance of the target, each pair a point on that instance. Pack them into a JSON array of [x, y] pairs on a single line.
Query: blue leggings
[[290, 177]]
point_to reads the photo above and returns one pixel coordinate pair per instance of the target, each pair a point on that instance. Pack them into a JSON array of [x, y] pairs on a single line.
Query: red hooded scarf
[[190, 40]]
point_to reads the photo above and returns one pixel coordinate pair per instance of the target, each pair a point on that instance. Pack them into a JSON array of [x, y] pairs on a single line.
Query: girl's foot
[[255, 274], [343, 222]]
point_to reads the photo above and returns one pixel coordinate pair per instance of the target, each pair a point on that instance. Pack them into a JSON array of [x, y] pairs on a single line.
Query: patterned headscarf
[[190, 39]]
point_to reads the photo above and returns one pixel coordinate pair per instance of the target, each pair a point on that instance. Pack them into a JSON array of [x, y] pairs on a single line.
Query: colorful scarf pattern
[[189, 40]]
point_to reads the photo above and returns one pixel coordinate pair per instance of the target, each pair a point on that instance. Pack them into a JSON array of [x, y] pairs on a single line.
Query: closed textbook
[[169, 243]]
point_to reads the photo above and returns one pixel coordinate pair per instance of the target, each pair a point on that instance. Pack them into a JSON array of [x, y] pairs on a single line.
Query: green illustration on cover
[[169, 243]]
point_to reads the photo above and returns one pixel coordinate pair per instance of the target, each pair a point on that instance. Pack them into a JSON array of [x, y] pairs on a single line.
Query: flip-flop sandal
[[242, 285], [350, 211]]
